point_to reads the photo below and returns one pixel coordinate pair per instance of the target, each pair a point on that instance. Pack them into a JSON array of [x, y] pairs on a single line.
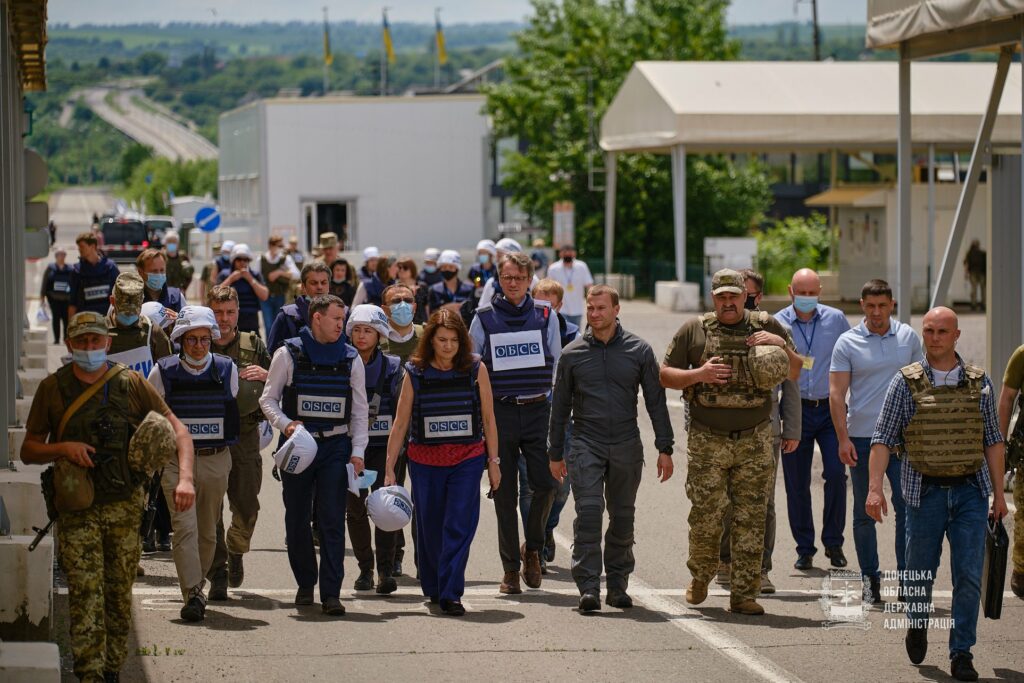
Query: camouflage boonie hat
[[769, 366], [153, 445], [727, 280], [328, 240], [128, 294], [87, 322]]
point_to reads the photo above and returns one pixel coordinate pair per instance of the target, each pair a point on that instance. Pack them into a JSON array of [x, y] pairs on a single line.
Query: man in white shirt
[[575, 278]]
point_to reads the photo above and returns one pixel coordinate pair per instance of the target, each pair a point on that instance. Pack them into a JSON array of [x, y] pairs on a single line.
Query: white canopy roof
[[893, 21], [761, 106]]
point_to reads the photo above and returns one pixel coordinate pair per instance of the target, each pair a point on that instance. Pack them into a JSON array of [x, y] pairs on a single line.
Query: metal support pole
[[963, 207], [904, 162], [679, 208], [931, 215], [609, 212]]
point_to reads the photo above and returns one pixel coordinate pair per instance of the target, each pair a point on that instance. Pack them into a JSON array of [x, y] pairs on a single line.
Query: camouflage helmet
[[769, 366], [153, 444]]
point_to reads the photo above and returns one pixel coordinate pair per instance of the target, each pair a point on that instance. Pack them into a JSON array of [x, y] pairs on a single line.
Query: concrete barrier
[[30, 379], [15, 437], [26, 601], [33, 361], [21, 408], [29, 662], [34, 347], [677, 296], [23, 497]]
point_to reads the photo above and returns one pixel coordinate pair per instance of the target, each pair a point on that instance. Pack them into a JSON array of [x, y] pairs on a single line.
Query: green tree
[[572, 58], [134, 155], [791, 244], [153, 179]]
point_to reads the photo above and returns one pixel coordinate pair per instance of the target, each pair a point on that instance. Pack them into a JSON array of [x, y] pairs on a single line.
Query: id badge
[[808, 362]]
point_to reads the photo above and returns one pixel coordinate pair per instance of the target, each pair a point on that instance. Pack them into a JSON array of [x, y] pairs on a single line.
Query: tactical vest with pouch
[[730, 346], [249, 391], [104, 422], [945, 438]]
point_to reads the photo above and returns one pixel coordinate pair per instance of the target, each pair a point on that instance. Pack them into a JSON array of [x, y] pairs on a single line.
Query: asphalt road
[[258, 635]]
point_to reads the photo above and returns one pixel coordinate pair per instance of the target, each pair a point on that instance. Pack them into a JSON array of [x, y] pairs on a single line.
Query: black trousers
[[59, 318], [522, 433]]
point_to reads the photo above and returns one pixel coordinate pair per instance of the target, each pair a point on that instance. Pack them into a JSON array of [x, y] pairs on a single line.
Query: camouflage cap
[[87, 322], [769, 366], [128, 293], [727, 280], [328, 240], [153, 444]]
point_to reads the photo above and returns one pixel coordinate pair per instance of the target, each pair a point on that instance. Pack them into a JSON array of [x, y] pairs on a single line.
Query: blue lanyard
[[803, 334]]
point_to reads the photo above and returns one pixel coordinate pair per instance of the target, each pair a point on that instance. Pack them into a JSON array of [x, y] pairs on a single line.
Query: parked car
[[125, 238]]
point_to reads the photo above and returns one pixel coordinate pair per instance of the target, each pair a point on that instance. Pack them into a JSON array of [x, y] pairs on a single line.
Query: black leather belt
[[814, 403], [208, 451], [946, 482], [735, 435], [515, 400]]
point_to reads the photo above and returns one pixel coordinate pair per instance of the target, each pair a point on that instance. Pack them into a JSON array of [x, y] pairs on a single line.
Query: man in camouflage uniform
[[246, 477], [100, 542], [179, 268], [726, 364], [135, 340]]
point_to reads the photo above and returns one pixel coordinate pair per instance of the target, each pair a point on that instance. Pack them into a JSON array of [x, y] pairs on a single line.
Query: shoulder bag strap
[[113, 372]]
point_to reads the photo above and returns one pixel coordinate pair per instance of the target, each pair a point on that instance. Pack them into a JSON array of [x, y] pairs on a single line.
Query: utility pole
[[817, 31], [327, 56]]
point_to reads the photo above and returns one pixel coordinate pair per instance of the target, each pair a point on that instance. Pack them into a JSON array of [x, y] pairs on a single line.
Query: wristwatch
[[496, 461]]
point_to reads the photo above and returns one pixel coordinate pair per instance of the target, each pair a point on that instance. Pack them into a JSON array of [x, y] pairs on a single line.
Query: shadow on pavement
[[221, 621], [773, 620], [1008, 675]]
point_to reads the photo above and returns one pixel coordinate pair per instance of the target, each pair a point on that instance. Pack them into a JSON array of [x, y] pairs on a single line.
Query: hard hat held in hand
[[153, 444], [390, 508], [769, 366], [297, 453]]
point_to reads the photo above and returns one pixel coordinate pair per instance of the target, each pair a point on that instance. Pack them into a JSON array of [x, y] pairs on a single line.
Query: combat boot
[[748, 607], [236, 570], [697, 592], [510, 584], [1017, 584], [365, 581], [219, 585], [767, 587], [386, 584]]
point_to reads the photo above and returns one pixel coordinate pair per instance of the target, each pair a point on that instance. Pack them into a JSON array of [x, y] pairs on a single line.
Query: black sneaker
[[618, 598], [917, 644], [304, 596], [835, 553], [195, 609], [333, 607], [387, 585], [549, 546], [452, 608], [962, 667], [590, 601], [219, 586], [365, 581]]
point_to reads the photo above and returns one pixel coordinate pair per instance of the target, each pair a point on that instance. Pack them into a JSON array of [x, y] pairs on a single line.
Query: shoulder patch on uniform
[[912, 371]]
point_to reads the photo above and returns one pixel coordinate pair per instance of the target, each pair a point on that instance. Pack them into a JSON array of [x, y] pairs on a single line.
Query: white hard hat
[[297, 453], [450, 257], [227, 246], [390, 508], [368, 314], [195, 317], [266, 434], [488, 246], [370, 252], [241, 251], [170, 235], [155, 311], [509, 245], [431, 254]]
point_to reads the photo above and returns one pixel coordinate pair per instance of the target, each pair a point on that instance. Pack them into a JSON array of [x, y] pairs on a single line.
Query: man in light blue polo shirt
[[864, 362], [816, 329]]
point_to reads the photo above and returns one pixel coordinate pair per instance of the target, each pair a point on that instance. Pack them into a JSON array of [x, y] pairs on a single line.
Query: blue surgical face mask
[[172, 248], [156, 281], [484, 259], [89, 361], [126, 320], [805, 304], [401, 313], [430, 269]]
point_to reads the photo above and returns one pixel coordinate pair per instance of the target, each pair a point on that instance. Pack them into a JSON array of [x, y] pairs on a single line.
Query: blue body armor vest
[[374, 290], [248, 303], [445, 407], [516, 347], [382, 377], [292, 318], [202, 402], [170, 297], [96, 282], [60, 283], [567, 330], [320, 394]]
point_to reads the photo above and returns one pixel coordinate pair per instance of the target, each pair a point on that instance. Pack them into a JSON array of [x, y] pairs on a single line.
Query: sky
[[76, 12]]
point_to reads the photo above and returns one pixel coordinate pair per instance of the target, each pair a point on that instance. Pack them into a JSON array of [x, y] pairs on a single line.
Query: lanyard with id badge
[[808, 360]]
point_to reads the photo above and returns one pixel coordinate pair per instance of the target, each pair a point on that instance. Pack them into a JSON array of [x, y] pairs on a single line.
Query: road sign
[[207, 219]]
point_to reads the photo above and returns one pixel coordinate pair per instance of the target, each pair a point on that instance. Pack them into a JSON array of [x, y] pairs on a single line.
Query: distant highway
[[167, 137]]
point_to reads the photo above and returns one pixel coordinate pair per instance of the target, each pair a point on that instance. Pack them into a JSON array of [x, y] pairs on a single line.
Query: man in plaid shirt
[[956, 506]]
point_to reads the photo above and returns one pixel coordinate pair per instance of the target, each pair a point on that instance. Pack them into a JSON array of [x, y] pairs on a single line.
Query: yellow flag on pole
[[328, 55], [442, 51], [389, 46]]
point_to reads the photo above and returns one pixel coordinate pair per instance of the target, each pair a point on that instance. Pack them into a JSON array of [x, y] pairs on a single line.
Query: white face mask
[[197, 363]]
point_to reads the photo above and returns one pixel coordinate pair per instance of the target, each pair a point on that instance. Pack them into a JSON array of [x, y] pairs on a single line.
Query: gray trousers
[[769, 521], [601, 476]]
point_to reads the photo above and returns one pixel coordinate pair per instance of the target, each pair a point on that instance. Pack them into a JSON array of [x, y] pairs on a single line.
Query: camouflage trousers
[[723, 471], [99, 553], [1018, 519]]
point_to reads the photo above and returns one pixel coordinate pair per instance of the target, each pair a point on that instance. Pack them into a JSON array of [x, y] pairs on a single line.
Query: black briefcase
[[993, 574]]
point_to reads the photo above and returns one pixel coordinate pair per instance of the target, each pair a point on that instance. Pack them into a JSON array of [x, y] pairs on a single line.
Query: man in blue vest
[[318, 381], [152, 267], [316, 280], [519, 340], [249, 285], [92, 278], [56, 291], [200, 388]]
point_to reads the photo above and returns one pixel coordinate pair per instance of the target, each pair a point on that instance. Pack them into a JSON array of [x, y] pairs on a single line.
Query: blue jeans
[[796, 470], [959, 513], [270, 309], [864, 536]]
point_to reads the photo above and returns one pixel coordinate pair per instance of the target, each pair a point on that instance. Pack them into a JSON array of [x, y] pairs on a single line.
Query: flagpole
[[437, 49], [326, 66]]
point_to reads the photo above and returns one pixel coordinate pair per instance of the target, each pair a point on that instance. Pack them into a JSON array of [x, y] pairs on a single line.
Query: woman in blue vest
[[366, 326], [200, 388], [56, 291], [249, 285], [445, 410]]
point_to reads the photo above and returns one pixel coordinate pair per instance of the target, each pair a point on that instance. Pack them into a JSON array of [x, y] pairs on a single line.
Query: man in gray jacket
[[786, 425], [597, 383]]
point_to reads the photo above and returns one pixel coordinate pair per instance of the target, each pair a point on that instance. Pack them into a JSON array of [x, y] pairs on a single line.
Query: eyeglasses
[[198, 341], [401, 300], [513, 278]]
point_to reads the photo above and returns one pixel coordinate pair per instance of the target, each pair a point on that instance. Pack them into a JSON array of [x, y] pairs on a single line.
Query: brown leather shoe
[[748, 607], [697, 592], [1017, 580], [510, 584], [531, 567]]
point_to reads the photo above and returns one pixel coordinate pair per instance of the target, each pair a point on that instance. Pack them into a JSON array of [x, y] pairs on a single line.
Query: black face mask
[[751, 302], [449, 274], [567, 259]]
